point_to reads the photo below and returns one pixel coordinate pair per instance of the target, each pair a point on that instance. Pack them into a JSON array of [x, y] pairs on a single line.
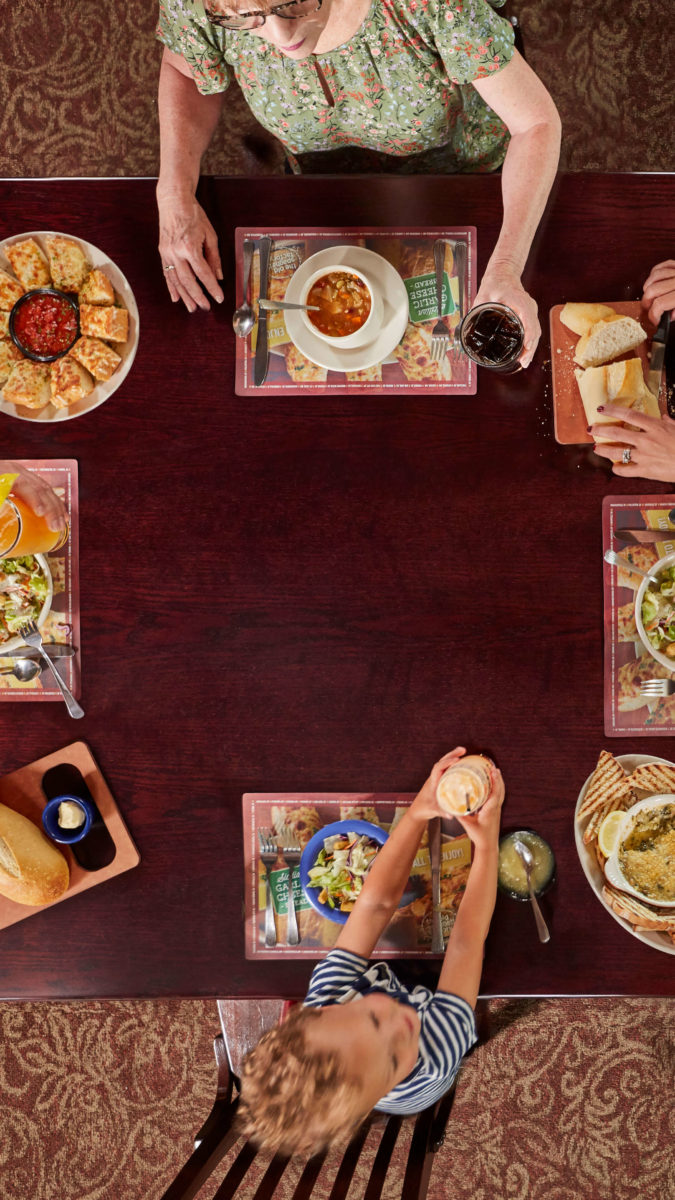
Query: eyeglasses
[[253, 20]]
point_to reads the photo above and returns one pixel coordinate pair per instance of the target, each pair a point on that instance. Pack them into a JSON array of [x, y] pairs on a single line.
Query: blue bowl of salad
[[334, 864]]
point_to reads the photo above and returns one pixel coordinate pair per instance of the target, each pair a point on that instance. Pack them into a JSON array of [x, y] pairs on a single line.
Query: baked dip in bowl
[[643, 860]]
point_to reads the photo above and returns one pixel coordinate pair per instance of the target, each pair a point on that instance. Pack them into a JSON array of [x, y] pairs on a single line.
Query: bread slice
[[104, 321], [29, 264], [28, 385], [69, 382], [97, 289], [616, 383], [96, 356], [580, 317], [4, 324], [657, 778], [68, 263], [10, 291], [608, 781], [9, 354], [32, 870], [608, 339], [640, 914]]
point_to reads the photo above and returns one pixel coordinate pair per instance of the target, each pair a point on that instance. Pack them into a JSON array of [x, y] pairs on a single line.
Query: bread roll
[[580, 317], [32, 870], [608, 339]]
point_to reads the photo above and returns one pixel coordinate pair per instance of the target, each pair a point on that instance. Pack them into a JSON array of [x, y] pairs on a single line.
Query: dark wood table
[[326, 594]]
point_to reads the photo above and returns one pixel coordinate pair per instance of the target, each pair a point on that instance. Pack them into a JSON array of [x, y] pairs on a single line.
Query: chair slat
[[349, 1160], [309, 1177], [236, 1172], [271, 1177], [418, 1166], [382, 1159]]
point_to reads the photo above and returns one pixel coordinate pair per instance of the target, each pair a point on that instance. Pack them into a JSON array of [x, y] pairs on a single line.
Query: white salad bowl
[[613, 872], [371, 325], [667, 561]]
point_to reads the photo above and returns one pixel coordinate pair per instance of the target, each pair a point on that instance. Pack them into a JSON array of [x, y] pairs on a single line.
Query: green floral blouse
[[402, 84]]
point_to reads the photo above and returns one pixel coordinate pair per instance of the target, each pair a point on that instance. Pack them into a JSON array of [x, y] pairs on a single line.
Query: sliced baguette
[[32, 870], [608, 339], [580, 317], [616, 383]]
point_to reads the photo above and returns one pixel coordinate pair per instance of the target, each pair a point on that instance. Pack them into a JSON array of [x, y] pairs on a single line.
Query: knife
[[262, 354], [437, 943], [659, 342], [53, 649], [636, 537]]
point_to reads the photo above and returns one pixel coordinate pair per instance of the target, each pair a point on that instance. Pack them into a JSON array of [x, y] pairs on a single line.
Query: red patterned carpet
[[569, 1100]]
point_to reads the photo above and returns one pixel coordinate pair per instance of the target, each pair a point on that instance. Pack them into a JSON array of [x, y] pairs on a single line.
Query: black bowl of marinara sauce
[[44, 324]]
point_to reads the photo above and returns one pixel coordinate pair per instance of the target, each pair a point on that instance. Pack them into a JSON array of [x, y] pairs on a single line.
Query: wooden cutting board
[[569, 418], [22, 791]]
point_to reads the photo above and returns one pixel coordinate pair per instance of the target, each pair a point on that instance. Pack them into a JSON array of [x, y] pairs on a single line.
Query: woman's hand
[[188, 248], [37, 495], [504, 287], [652, 444], [658, 294], [425, 805], [483, 826]]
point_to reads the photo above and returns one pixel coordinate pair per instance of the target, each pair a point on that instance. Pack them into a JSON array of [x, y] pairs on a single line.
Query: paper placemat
[[569, 419], [409, 369], [408, 934], [63, 621], [22, 791], [627, 661]]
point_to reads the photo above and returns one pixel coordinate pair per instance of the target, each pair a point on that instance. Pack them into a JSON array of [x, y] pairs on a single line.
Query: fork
[[31, 635], [292, 854], [658, 687], [460, 261], [269, 853], [440, 335]]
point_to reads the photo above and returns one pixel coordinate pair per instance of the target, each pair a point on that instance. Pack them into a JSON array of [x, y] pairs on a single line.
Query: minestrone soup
[[343, 301]]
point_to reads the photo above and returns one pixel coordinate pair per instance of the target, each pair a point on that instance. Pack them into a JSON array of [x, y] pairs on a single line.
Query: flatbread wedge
[[29, 264], [639, 914], [97, 289], [656, 778], [608, 782], [10, 291]]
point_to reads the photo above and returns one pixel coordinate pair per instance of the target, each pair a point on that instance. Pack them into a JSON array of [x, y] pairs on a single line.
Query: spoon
[[617, 561], [243, 318], [24, 669], [272, 305], [525, 854]]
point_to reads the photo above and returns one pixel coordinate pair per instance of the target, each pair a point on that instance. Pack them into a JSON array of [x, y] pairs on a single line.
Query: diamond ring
[[169, 268], [625, 457]]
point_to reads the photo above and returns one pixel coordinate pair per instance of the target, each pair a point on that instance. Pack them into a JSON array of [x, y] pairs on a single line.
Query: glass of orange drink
[[22, 531]]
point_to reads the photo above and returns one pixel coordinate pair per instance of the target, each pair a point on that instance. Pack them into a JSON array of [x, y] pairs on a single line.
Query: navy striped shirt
[[448, 1026]]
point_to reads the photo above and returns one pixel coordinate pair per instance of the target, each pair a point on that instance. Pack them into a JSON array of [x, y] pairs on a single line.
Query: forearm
[[527, 177], [463, 961], [186, 124]]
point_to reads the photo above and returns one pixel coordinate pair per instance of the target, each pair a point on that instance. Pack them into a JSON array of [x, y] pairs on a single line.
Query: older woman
[[399, 76]]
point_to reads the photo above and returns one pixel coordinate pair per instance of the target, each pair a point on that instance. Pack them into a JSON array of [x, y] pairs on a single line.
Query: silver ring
[[169, 268], [625, 457]]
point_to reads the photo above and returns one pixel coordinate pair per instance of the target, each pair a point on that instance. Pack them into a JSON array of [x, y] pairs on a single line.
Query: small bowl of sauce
[[44, 324], [512, 877]]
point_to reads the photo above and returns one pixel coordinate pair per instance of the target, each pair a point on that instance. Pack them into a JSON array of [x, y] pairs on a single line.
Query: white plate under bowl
[[391, 288], [668, 663], [16, 643], [127, 350], [596, 878]]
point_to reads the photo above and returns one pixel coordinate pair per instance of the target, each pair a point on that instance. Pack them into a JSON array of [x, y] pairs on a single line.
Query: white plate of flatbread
[[595, 876], [100, 356]]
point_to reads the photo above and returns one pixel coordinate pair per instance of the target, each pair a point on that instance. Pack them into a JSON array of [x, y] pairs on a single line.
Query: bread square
[[101, 360], [29, 264], [97, 289], [9, 354], [10, 291], [68, 263], [69, 382], [107, 322], [28, 385]]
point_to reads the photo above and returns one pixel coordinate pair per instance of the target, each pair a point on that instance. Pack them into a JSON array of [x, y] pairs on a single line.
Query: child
[[361, 1040]]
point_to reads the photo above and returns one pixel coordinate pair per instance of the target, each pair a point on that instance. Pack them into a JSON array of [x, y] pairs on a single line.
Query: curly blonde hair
[[295, 1100]]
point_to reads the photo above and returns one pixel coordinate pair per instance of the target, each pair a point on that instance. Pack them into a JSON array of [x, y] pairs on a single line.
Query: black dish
[[43, 291], [511, 833]]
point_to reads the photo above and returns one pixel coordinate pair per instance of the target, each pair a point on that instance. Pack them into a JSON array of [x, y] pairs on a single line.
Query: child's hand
[[483, 826], [425, 804]]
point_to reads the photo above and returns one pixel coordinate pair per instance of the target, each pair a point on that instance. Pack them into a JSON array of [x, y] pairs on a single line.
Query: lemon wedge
[[6, 484], [609, 831]]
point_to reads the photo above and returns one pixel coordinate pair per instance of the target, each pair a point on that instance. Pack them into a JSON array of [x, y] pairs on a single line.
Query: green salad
[[341, 867], [23, 591]]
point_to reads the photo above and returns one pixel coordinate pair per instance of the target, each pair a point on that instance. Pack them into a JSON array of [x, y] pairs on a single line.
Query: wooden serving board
[[569, 418], [22, 791]]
